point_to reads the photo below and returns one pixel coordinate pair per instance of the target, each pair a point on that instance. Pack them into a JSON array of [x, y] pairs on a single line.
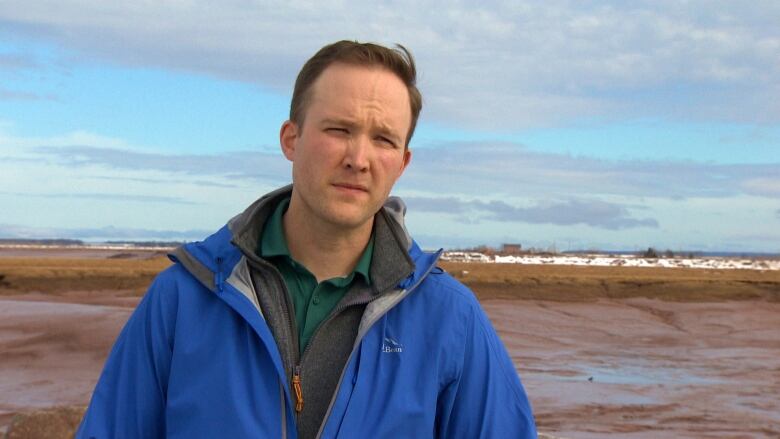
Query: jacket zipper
[[296, 382], [294, 358], [296, 379]]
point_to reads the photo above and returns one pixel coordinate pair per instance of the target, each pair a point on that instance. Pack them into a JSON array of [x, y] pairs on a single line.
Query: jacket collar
[[392, 259]]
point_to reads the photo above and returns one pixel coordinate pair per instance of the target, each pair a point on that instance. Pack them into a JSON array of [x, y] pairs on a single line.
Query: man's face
[[351, 147]]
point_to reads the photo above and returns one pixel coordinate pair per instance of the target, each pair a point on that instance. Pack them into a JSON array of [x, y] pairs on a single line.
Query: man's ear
[[407, 159], [288, 135]]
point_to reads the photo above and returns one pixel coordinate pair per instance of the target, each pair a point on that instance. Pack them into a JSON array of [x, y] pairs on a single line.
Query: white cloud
[[501, 65], [594, 213], [765, 186], [51, 182], [81, 150], [16, 95], [455, 169], [247, 165], [504, 191], [15, 62], [11, 231], [103, 196], [503, 169]]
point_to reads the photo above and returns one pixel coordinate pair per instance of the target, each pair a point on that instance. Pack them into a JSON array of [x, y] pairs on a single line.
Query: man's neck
[[325, 249]]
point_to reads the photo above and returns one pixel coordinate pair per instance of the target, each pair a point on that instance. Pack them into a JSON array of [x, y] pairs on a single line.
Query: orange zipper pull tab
[[296, 381]]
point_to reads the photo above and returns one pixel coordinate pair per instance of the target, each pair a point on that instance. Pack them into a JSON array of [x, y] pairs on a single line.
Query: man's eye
[[386, 141], [337, 130]]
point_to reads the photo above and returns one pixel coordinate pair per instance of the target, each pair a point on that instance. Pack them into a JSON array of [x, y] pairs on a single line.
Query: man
[[313, 313]]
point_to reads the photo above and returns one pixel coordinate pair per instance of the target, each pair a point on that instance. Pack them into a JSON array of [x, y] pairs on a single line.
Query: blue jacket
[[197, 359]]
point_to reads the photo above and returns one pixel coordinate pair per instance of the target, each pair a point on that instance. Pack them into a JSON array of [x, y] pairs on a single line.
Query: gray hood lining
[[247, 227], [242, 281], [202, 273]]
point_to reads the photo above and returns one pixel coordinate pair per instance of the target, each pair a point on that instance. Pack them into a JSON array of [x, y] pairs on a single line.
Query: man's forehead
[[371, 86], [343, 75]]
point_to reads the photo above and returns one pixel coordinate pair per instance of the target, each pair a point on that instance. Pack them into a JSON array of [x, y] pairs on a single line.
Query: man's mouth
[[350, 186]]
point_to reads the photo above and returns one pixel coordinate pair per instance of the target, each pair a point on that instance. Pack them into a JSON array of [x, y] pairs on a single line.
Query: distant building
[[511, 249]]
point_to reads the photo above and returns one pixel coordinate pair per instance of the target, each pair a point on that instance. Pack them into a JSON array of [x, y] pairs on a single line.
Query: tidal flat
[[625, 352]]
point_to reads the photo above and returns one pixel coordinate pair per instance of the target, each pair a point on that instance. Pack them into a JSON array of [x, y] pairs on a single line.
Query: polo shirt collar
[[273, 243]]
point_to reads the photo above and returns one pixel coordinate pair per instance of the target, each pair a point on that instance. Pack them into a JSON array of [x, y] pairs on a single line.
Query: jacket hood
[[217, 258]]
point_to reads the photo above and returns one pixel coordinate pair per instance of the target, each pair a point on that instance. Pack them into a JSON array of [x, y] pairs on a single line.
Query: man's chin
[[347, 219]]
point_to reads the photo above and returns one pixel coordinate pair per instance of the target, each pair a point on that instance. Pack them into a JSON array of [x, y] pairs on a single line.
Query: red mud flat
[[640, 368], [52, 353], [76, 253], [658, 369], [594, 367]]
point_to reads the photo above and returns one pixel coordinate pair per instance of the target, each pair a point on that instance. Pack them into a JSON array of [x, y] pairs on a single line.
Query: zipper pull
[[219, 277], [296, 382]]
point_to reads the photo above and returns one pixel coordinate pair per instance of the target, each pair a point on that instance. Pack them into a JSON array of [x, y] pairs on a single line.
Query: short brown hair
[[397, 60]]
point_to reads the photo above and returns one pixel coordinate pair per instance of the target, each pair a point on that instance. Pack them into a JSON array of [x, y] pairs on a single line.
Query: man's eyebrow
[[337, 121]]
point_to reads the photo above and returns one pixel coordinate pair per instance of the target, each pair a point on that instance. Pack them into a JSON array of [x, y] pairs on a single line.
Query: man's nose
[[358, 153]]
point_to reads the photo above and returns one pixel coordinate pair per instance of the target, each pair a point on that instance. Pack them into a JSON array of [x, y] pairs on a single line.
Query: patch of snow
[[713, 263]]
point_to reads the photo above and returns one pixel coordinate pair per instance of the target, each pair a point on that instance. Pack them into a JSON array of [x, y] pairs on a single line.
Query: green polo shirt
[[313, 301]]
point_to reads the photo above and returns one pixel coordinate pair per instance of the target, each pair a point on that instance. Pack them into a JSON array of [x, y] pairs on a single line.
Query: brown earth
[[55, 422], [80, 278], [602, 351], [566, 283]]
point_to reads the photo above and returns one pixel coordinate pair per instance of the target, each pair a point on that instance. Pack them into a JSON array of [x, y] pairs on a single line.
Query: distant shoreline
[[162, 245], [711, 260]]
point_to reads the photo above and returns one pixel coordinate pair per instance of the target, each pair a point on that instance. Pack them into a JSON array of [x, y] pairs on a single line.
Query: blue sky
[[572, 125]]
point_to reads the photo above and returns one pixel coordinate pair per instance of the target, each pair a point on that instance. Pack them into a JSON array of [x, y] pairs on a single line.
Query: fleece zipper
[[296, 379]]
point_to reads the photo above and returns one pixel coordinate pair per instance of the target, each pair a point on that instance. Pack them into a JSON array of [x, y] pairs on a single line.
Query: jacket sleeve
[[129, 398], [486, 399]]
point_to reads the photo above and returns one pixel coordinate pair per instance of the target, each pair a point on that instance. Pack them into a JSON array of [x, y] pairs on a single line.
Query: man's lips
[[350, 186]]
